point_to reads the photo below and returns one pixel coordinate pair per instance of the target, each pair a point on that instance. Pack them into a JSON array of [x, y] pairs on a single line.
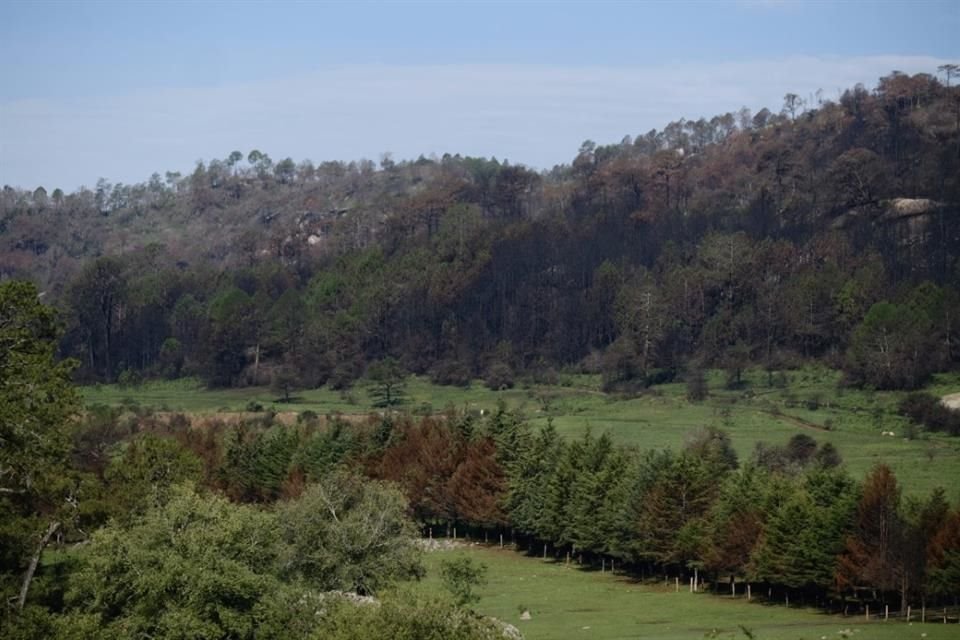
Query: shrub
[[462, 577], [499, 376], [926, 409], [451, 373], [129, 378], [307, 417], [697, 389]]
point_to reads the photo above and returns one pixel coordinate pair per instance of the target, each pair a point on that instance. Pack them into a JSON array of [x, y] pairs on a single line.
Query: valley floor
[[568, 603]]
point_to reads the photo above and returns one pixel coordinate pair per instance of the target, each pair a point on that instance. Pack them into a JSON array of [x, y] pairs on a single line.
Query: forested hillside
[[823, 231], [823, 235]]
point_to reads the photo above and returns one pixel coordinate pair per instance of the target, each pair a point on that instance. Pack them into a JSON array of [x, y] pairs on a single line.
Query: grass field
[[566, 603], [810, 402]]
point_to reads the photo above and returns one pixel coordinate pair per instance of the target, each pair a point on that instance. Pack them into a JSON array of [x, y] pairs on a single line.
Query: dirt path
[[952, 400]]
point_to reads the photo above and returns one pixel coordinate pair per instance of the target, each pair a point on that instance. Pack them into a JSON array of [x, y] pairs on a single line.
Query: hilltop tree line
[[826, 231]]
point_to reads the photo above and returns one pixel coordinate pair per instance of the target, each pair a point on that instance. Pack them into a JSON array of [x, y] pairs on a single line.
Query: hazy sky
[[120, 90]]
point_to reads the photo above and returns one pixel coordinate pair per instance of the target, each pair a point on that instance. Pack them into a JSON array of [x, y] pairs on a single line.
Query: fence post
[[501, 541], [544, 551], [908, 613], [868, 612], [886, 612], [748, 593], [676, 584]]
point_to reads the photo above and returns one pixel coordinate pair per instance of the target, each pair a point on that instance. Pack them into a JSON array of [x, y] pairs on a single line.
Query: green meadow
[[806, 401], [567, 603]]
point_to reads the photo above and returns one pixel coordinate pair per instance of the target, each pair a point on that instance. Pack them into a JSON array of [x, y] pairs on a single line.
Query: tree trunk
[[28, 577], [903, 592]]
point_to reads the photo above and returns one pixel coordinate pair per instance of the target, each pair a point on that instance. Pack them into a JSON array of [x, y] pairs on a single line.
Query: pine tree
[[873, 554]]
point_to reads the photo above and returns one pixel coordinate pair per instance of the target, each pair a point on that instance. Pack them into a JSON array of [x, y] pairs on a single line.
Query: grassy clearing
[[568, 603], [810, 402]]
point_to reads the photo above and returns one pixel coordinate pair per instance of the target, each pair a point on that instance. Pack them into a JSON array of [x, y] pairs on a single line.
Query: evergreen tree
[[37, 401], [529, 479]]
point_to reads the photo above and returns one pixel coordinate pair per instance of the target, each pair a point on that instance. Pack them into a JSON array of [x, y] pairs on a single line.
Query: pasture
[[802, 401], [567, 603]]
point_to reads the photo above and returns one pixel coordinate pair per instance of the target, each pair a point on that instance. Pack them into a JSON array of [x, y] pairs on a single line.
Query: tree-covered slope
[[824, 231]]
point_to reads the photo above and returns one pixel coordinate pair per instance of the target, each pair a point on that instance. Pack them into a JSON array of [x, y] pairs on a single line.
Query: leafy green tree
[[888, 349], [95, 295], [257, 463], [923, 519], [285, 321], [284, 380], [805, 531], [350, 534], [696, 379], [681, 492], [790, 553], [553, 522], [323, 450], [234, 158], [801, 448], [529, 478], [598, 465], [944, 558], [713, 445], [285, 171], [231, 329], [196, 567], [171, 358], [619, 510], [462, 577], [387, 382], [37, 403], [736, 521], [145, 473]]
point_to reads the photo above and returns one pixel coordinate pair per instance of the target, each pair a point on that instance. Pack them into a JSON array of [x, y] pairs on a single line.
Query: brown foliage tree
[[873, 551], [478, 485]]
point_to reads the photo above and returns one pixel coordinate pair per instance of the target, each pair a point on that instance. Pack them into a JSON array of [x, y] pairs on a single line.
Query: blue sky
[[120, 90]]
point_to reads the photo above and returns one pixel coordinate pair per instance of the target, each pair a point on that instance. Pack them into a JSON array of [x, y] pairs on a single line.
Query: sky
[[121, 90]]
